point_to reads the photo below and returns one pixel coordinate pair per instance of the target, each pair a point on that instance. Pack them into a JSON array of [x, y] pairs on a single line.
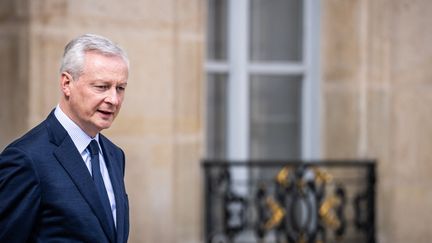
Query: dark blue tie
[[98, 180]]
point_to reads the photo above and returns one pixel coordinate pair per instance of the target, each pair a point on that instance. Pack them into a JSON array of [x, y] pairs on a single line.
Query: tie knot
[[93, 147]]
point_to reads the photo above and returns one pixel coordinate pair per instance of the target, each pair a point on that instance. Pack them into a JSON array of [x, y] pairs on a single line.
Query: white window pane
[[217, 30], [216, 116], [276, 30], [275, 108]]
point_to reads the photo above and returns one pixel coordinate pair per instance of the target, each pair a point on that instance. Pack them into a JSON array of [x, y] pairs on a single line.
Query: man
[[63, 180]]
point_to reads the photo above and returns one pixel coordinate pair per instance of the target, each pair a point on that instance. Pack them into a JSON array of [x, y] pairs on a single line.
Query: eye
[[101, 87], [121, 88]]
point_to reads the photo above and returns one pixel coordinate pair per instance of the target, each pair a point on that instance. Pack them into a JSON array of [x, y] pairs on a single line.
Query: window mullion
[[216, 67], [277, 68], [311, 85], [238, 85], [238, 89]]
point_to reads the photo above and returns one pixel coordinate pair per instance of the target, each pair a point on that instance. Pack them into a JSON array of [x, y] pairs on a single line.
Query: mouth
[[106, 113]]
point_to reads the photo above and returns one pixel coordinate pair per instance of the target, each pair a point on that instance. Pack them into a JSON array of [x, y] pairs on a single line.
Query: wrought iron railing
[[289, 202]]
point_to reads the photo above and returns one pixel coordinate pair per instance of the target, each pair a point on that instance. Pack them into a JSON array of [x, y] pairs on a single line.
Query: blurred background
[[242, 80]]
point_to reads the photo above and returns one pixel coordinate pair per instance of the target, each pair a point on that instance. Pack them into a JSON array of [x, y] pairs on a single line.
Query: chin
[[102, 126], [105, 127]]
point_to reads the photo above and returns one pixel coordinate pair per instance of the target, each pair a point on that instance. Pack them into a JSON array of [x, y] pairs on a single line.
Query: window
[[262, 79]]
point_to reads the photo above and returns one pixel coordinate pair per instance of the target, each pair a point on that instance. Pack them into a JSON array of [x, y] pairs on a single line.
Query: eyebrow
[[106, 82]]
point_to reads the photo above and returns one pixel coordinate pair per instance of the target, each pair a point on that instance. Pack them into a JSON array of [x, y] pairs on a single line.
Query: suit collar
[[55, 130], [80, 138], [69, 157], [116, 177]]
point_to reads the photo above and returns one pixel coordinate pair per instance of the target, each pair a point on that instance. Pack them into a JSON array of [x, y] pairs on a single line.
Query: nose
[[112, 97]]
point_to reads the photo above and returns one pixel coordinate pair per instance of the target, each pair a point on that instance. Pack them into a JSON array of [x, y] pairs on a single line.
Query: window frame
[[239, 68]]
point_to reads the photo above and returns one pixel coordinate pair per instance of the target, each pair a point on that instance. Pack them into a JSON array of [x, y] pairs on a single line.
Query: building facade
[[372, 99]]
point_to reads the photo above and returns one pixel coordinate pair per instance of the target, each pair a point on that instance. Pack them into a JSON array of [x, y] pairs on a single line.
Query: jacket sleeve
[[19, 196]]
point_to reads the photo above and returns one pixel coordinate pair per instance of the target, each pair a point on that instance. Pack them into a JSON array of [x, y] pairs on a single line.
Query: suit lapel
[[116, 182], [69, 157]]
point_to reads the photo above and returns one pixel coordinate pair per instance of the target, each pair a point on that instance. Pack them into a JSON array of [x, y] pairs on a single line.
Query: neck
[[65, 109]]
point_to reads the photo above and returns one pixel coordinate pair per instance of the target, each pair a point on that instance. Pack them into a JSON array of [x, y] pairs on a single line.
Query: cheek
[[77, 102], [120, 102], [88, 106]]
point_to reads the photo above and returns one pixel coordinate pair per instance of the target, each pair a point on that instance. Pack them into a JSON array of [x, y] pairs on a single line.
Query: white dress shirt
[[81, 141]]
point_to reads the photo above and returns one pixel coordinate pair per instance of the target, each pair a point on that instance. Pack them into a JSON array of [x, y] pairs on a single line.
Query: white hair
[[74, 52]]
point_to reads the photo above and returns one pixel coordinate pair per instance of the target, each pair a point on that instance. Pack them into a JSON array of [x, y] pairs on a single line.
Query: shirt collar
[[78, 136]]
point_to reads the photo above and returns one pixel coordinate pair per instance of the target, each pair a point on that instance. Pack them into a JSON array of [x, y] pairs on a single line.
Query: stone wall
[[14, 71], [160, 125], [377, 95]]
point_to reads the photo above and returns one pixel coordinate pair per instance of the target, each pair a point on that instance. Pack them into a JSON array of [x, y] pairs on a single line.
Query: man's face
[[94, 100]]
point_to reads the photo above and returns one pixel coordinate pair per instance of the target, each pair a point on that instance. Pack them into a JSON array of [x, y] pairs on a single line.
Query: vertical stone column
[[377, 95], [341, 67], [188, 120], [14, 86]]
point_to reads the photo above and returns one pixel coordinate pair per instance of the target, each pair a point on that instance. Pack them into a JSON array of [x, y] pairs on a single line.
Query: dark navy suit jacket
[[47, 193]]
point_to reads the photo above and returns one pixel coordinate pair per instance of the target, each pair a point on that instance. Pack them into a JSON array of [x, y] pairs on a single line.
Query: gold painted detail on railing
[[282, 177], [277, 214], [326, 212], [322, 176]]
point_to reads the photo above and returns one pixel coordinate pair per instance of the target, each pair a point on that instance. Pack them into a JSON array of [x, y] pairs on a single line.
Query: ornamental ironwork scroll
[[290, 202]]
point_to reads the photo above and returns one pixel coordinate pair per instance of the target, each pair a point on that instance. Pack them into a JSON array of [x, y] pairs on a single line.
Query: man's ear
[[65, 82]]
